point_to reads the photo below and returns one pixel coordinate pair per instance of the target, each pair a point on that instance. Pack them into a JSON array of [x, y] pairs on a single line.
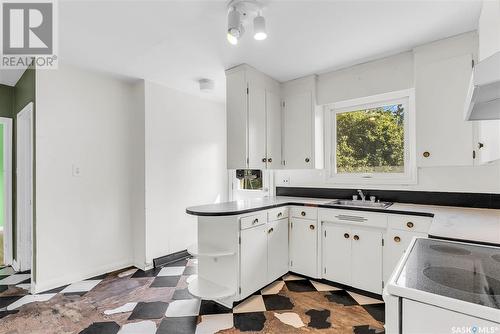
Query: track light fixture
[[240, 13]]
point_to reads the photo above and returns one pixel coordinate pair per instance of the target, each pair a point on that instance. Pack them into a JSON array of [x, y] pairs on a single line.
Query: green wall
[[6, 100]]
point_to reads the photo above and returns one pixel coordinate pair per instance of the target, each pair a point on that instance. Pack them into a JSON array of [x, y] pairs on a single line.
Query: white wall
[[84, 223], [399, 73], [185, 165]]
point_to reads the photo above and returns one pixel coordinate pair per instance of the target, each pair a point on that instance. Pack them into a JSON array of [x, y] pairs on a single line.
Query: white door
[[277, 256], [443, 137], [488, 141], [396, 243], [24, 183], [366, 259], [337, 253], [6, 124], [273, 112], [236, 110], [253, 258], [297, 131], [256, 126], [303, 246]]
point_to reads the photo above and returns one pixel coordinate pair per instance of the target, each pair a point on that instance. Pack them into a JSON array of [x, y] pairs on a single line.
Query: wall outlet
[[76, 171], [285, 180]]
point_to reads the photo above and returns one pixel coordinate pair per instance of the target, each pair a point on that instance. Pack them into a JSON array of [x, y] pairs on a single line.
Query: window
[[249, 179], [371, 139]]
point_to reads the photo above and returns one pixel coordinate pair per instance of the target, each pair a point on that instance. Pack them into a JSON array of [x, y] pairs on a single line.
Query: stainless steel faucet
[[362, 195]]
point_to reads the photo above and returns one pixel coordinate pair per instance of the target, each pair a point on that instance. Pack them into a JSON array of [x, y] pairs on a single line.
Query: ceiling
[[10, 77], [175, 43]]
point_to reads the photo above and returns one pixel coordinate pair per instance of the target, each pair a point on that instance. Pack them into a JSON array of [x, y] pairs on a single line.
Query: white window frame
[[405, 97]]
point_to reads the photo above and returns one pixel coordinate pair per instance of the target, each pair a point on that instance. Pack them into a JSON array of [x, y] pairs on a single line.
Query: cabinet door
[[253, 259], [256, 126], [366, 259], [395, 245], [273, 112], [297, 131], [236, 112], [488, 148], [277, 245], [337, 253], [303, 246], [441, 90]]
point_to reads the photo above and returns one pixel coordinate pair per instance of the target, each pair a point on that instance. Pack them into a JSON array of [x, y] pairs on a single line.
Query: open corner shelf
[[206, 289], [208, 252]]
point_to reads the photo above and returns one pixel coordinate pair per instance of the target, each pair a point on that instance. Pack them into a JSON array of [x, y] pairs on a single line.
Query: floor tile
[[82, 286], [3, 288], [341, 297], [165, 281], [128, 272], [290, 318], [211, 307], [292, 277], [364, 300], [142, 327], [55, 290], [148, 273], [108, 327], [182, 294], [75, 294], [253, 303], [24, 286], [319, 319], [128, 307], [366, 329], [300, 286], [152, 310], [247, 322], [213, 323], [98, 277], [15, 279], [3, 276], [7, 271], [171, 271], [179, 263], [323, 287], [183, 308], [277, 302], [377, 311], [29, 299], [3, 314], [190, 270], [179, 325], [6, 301], [273, 288]]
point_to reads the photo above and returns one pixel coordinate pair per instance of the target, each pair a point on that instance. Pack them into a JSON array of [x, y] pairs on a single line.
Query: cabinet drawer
[[253, 220], [410, 223], [353, 217], [278, 213], [304, 212]]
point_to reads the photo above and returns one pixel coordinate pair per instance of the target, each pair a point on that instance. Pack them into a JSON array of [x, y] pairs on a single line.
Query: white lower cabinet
[[277, 249], [303, 246], [353, 256], [253, 259]]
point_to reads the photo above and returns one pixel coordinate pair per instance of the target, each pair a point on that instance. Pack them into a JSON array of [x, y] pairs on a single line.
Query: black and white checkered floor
[[157, 301]]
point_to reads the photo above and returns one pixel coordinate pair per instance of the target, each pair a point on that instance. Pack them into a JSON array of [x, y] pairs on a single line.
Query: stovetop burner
[[450, 249], [464, 280]]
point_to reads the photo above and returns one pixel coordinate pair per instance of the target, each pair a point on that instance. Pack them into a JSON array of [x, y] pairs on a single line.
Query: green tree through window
[[371, 140]]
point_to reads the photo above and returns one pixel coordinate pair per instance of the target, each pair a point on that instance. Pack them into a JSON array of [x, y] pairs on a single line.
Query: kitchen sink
[[361, 204]]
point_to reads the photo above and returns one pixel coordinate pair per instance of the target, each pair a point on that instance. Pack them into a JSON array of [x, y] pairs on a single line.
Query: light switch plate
[[76, 171]]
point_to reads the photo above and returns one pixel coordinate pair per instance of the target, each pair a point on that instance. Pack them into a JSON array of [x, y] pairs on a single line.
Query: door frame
[[24, 187], [7, 190]]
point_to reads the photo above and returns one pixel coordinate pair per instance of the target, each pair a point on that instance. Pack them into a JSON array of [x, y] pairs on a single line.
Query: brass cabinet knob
[[255, 221], [346, 235], [307, 160], [356, 237], [397, 239], [311, 227], [280, 214], [303, 213], [270, 160], [410, 224], [264, 159], [426, 154], [270, 230]]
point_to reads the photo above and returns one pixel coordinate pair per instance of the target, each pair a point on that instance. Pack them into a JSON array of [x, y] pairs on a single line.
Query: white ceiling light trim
[[240, 13]]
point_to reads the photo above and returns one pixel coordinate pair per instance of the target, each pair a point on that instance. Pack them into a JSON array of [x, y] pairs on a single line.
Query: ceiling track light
[[241, 12]]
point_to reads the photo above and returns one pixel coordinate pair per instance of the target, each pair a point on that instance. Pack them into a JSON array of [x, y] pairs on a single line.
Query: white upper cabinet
[[299, 124], [253, 139], [441, 85], [488, 141]]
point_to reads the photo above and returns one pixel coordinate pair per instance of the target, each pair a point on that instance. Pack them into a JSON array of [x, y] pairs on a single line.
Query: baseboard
[[15, 265], [38, 286], [161, 261]]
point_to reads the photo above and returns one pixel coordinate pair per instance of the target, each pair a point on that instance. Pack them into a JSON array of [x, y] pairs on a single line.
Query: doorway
[[24, 188], [5, 191]]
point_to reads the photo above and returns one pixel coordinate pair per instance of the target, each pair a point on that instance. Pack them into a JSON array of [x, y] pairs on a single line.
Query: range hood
[[483, 98]]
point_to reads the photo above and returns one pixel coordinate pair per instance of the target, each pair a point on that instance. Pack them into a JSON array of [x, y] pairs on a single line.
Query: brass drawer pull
[[255, 221], [311, 227], [270, 230], [264, 159], [410, 224], [397, 239], [280, 214], [303, 213], [270, 160], [346, 235], [307, 160], [356, 237]]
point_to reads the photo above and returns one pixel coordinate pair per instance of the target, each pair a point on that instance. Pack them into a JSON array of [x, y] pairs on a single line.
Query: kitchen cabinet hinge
[[324, 270], [291, 263], [291, 225], [325, 234], [284, 162], [239, 240], [382, 284], [474, 154], [383, 242], [248, 90], [473, 63], [283, 104], [239, 290]]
